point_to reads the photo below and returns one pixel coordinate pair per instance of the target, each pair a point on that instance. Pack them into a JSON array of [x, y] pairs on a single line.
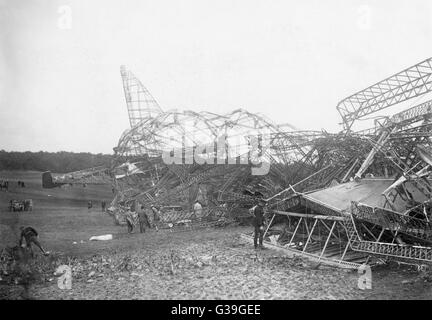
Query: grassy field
[[60, 214], [203, 264]]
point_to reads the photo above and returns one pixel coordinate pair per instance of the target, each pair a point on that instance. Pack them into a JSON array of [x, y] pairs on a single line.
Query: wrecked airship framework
[[340, 199]]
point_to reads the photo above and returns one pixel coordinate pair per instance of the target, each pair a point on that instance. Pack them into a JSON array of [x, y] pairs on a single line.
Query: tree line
[[58, 162]]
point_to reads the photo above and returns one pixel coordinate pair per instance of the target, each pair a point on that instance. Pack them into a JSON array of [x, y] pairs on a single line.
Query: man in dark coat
[[258, 223], [143, 218]]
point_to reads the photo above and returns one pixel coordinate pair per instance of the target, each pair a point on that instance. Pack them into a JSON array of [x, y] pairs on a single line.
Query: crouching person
[[30, 236]]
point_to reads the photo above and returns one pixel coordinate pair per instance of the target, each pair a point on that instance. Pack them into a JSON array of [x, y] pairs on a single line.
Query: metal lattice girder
[[385, 135], [96, 175], [370, 132], [407, 84], [399, 146], [317, 237], [175, 130], [293, 155], [394, 250], [140, 102], [410, 252], [404, 120], [407, 169], [411, 115], [395, 221], [314, 179], [292, 140]]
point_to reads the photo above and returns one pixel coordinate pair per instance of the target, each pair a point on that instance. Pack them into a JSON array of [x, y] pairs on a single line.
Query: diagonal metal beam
[[407, 84]]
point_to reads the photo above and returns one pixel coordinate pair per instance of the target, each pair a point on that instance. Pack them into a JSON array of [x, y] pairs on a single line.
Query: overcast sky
[[60, 85]]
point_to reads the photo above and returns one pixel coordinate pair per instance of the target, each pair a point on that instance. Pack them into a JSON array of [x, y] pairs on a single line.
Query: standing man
[[30, 236], [131, 219], [198, 210], [103, 205], [142, 217], [156, 217], [258, 223]]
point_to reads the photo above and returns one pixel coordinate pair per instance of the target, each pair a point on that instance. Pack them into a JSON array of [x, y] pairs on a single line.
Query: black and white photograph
[[198, 151]]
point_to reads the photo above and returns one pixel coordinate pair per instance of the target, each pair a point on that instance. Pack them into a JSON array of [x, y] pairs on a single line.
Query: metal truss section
[[171, 159], [140, 103], [407, 84], [411, 115], [422, 254], [290, 252], [400, 136], [394, 221], [176, 130], [410, 252], [96, 175], [319, 238], [404, 121]]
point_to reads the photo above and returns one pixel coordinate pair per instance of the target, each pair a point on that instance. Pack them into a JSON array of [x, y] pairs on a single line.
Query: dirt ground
[[202, 264]]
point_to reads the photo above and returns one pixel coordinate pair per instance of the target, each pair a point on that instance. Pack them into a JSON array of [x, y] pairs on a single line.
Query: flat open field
[[201, 264]]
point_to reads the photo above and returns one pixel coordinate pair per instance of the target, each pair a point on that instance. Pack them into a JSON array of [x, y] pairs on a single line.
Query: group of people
[[4, 185], [137, 214], [90, 205]]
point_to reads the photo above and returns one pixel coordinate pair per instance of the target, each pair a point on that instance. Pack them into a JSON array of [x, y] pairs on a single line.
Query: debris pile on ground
[[344, 197]]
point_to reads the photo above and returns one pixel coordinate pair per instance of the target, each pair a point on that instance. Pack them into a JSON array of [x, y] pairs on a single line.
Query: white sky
[[60, 89]]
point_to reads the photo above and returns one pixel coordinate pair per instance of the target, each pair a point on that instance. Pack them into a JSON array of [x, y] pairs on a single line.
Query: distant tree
[[59, 162]]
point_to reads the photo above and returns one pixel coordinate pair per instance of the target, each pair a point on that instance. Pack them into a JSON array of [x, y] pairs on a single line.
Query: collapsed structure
[[340, 199], [380, 204]]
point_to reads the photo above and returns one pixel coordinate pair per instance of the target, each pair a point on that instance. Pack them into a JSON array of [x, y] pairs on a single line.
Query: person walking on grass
[[30, 236]]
